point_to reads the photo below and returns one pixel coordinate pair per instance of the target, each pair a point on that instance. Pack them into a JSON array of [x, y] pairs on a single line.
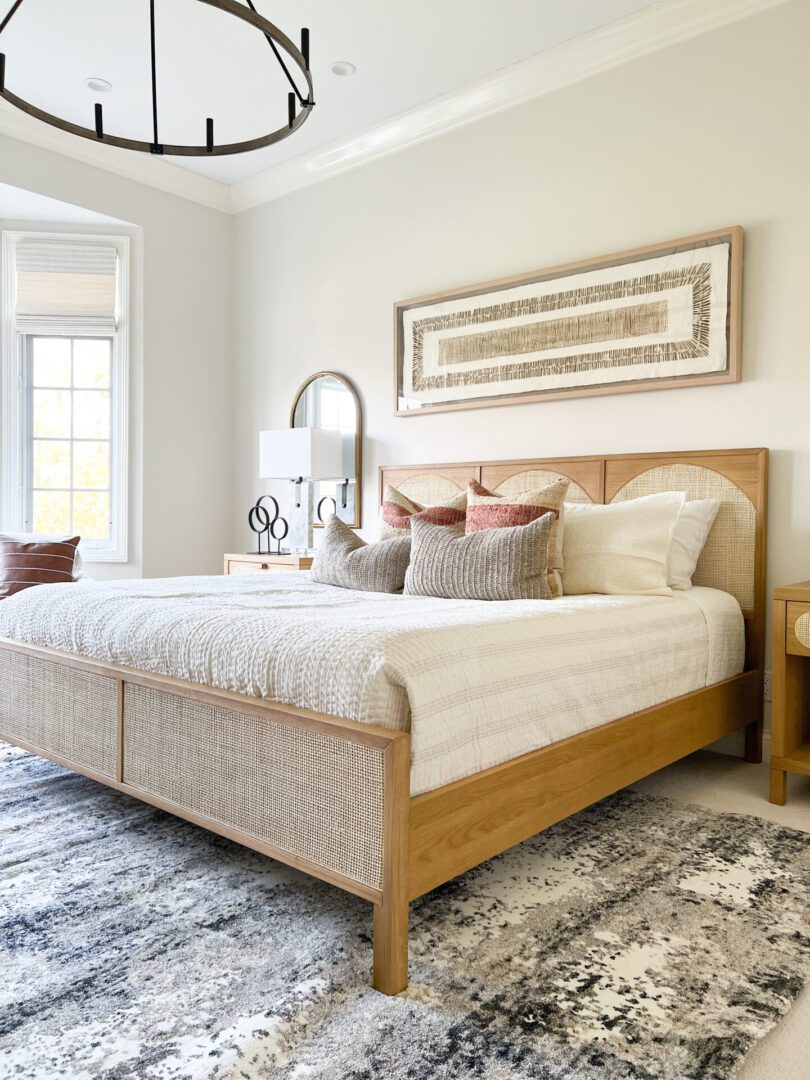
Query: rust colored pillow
[[397, 512], [26, 563], [486, 510]]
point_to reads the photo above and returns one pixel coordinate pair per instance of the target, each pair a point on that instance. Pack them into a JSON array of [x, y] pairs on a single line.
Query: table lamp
[[301, 455]]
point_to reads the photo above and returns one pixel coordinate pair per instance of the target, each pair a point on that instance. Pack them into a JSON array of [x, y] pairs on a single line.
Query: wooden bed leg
[[391, 947], [753, 742], [391, 914], [778, 787]]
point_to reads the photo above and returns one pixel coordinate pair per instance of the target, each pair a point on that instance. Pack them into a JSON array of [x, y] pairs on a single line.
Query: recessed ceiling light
[[342, 68], [100, 86]]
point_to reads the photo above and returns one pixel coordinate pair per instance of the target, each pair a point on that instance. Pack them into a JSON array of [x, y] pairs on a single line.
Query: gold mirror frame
[[358, 440]]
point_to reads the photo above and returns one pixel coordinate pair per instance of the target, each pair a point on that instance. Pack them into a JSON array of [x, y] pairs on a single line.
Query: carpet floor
[[642, 938]]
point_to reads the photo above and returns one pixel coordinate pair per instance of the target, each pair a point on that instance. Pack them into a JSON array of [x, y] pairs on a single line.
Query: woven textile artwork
[[642, 318]]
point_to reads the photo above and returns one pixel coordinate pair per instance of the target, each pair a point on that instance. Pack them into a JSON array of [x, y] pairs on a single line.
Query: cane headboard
[[734, 557]]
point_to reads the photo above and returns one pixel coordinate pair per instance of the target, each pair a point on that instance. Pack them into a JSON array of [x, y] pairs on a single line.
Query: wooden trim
[[799, 592], [461, 825], [589, 473], [790, 707], [733, 374], [119, 732], [353, 730], [390, 974]]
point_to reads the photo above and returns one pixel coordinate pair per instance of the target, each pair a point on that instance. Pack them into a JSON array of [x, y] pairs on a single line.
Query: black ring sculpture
[[262, 524], [326, 498], [275, 38]]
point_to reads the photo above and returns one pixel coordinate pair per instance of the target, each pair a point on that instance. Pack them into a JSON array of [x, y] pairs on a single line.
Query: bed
[[388, 743]]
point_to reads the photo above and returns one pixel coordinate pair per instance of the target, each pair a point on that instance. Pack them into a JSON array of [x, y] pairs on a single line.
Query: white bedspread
[[478, 683]]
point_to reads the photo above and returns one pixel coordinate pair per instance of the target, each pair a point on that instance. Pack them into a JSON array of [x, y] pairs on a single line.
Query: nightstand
[[790, 734], [273, 564]]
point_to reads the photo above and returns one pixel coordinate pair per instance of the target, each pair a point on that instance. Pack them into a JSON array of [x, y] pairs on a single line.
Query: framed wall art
[[661, 316]]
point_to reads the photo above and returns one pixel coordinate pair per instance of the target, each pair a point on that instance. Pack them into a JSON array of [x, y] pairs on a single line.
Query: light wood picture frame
[[656, 317]]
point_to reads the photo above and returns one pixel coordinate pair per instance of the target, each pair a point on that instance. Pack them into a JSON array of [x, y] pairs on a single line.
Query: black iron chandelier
[[299, 104]]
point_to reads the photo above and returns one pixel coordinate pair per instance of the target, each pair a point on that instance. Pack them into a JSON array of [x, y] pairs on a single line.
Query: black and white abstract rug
[[642, 938]]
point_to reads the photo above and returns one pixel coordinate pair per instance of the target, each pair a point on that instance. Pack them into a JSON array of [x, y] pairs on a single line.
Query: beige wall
[[181, 386], [706, 134]]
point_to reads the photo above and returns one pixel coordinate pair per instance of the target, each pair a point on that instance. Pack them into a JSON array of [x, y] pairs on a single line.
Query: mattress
[[477, 683]]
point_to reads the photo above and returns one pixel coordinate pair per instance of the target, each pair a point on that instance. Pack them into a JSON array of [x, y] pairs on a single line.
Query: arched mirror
[[328, 400]]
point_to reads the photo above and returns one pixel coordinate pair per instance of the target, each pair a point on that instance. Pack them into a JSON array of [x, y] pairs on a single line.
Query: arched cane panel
[[540, 478], [428, 489]]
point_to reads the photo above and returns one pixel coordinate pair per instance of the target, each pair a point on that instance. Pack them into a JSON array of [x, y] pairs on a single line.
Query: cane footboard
[[67, 711], [316, 792], [309, 793]]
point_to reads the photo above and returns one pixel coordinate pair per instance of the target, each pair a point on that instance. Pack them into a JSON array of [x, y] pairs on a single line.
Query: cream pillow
[[621, 548], [690, 536]]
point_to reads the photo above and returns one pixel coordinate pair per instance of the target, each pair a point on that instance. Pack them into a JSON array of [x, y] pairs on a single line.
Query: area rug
[[642, 938]]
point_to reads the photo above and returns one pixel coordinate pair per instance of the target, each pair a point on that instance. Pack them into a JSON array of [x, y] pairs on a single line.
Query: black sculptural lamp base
[[268, 527]]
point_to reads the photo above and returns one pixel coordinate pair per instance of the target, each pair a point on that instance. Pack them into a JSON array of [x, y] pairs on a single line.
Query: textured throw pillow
[[79, 571], [345, 560], [621, 548], [24, 563], [690, 536], [486, 510], [493, 564], [397, 512]]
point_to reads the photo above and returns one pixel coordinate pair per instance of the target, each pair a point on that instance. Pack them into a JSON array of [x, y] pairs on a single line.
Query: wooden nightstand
[[273, 564], [790, 735]]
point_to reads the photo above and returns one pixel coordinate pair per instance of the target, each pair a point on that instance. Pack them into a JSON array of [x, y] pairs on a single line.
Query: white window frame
[[14, 478]]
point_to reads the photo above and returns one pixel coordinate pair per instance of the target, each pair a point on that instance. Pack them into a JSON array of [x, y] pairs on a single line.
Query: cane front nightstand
[[790, 689]]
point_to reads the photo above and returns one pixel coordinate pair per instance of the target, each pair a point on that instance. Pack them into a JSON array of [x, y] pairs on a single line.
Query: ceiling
[[211, 64]]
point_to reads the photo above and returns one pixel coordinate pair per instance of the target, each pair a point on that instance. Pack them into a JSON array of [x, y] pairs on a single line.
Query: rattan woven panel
[[67, 712], [308, 793], [531, 479], [728, 559], [428, 489]]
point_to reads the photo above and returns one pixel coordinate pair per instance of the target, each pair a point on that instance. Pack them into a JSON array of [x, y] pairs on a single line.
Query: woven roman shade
[[65, 286]]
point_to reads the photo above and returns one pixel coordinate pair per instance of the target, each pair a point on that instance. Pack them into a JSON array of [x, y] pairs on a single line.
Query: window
[[65, 390], [69, 447]]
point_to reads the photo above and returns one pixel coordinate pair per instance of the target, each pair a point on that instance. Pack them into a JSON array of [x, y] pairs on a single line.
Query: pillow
[[621, 548], [24, 563], [493, 564], [79, 571], [345, 560], [486, 510], [691, 533], [398, 510]]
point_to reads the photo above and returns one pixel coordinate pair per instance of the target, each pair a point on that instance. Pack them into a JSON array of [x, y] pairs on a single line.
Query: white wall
[[181, 391], [709, 133]]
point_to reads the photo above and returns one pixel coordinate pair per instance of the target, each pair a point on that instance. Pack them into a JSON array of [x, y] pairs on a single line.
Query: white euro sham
[[621, 549], [688, 540]]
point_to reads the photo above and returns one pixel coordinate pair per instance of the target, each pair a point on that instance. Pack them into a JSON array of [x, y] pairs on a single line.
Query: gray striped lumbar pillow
[[493, 564], [26, 563], [344, 559]]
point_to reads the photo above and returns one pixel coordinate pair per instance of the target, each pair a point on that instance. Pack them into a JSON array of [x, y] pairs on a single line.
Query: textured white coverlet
[[477, 682]]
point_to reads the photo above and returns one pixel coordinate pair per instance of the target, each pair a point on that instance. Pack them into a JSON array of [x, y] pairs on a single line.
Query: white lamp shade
[[311, 453]]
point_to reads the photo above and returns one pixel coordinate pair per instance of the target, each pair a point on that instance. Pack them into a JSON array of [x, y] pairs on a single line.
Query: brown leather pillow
[[34, 562]]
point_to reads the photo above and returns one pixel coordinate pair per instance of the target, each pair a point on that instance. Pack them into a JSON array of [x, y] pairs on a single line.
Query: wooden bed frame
[[330, 796]]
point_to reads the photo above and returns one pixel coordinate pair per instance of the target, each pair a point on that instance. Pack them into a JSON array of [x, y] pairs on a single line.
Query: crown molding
[[650, 30], [666, 23], [156, 172]]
